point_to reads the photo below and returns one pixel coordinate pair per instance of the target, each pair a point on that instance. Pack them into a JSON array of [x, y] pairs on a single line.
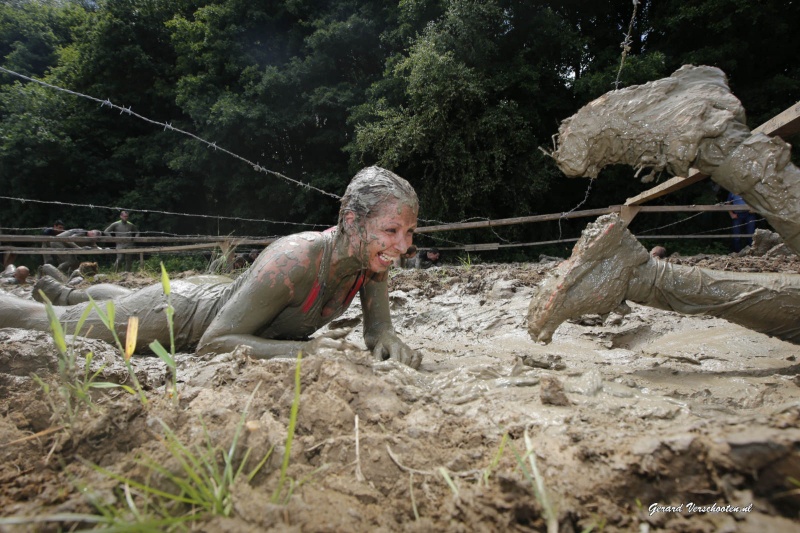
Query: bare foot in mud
[[593, 280]]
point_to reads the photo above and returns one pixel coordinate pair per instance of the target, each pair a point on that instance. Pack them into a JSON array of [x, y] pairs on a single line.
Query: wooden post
[[627, 212]]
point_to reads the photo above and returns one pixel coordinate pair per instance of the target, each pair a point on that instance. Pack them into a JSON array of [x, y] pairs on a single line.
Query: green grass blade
[[83, 318], [290, 431], [58, 332], [160, 351]]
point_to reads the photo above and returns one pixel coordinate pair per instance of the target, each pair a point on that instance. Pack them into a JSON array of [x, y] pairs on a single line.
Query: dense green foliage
[[457, 96]]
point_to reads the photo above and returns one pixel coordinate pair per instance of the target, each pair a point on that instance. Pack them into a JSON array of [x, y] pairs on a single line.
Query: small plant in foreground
[[107, 318], [466, 262], [495, 461], [202, 486], [158, 349], [536, 480], [276, 496], [75, 385], [202, 482]]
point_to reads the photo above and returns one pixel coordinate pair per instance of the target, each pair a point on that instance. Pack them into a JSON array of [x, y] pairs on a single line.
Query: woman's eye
[[391, 230]]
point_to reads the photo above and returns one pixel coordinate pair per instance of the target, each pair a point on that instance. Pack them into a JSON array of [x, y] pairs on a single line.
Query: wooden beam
[[628, 212], [671, 185], [517, 220], [783, 124]]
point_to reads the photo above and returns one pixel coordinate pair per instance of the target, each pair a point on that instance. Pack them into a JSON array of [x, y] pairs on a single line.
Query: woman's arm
[[278, 279], [379, 335]]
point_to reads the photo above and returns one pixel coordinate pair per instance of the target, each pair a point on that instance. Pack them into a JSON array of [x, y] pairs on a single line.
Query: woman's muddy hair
[[371, 187]]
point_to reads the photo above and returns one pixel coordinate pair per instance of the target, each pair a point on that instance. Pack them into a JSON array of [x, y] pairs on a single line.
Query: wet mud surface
[[653, 408]]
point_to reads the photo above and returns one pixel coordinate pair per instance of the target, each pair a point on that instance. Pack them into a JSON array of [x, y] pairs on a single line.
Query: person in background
[[744, 222], [15, 275], [658, 252], [56, 229], [123, 228], [66, 263], [429, 258]]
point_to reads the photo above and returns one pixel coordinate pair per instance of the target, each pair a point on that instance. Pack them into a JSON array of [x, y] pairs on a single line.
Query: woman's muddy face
[[388, 235]]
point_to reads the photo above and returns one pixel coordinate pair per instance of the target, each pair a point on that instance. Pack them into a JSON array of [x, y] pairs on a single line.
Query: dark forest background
[[457, 96]]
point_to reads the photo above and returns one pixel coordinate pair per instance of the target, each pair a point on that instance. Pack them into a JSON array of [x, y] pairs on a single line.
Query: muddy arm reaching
[[278, 280], [379, 335]]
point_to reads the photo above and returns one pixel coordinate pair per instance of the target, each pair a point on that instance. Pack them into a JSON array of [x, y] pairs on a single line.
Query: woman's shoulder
[[309, 240], [306, 248]]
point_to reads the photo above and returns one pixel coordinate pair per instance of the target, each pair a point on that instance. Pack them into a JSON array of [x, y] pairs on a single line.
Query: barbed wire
[[585, 199], [626, 43], [687, 219], [156, 211], [168, 126], [673, 223]]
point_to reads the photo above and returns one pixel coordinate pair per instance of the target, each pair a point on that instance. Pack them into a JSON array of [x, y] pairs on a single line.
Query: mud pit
[[652, 408]]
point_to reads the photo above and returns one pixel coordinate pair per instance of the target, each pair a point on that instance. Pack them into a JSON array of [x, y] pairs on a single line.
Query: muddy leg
[[690, 119], [61, 294], [54, 290], [608, 266], [769, 303], [18, 313], [760, 170], [53, 272]]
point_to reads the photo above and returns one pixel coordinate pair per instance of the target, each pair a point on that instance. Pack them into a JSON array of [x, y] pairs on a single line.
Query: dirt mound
[[648, 422]]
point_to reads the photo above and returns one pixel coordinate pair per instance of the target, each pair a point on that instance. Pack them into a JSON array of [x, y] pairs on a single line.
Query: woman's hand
[[389, 346]]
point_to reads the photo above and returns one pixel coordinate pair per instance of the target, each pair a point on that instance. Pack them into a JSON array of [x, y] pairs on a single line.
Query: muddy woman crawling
[[297, 285]]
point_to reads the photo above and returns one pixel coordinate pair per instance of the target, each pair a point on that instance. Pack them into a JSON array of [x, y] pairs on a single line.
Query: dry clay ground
[[652, 408]]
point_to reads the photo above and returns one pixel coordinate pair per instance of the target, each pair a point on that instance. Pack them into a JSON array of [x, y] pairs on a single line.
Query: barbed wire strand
[[626, 43], [168, 126], [585, 199], [156, 211]]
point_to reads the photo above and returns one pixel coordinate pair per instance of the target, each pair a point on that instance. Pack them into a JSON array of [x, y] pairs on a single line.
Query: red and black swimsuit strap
[[319, 283]]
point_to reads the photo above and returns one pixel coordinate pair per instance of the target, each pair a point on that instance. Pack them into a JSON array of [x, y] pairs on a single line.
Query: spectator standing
[[123, 228], [744, 222]]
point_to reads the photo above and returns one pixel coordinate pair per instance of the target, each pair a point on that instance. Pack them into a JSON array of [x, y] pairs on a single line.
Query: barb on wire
[[128, 111]]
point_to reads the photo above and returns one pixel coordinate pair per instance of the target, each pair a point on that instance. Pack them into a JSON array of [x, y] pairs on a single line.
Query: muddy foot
[[688, 119], [56, 292], [593, 280]]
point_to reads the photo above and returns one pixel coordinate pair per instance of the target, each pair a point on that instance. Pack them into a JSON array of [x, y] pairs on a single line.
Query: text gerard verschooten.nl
[[690, 508]]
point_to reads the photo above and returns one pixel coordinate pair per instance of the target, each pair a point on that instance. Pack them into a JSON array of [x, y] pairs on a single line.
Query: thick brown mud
[[627, 417]]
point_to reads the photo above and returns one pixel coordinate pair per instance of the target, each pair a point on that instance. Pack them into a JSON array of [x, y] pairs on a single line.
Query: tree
[[275, 80], [462, 113]]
